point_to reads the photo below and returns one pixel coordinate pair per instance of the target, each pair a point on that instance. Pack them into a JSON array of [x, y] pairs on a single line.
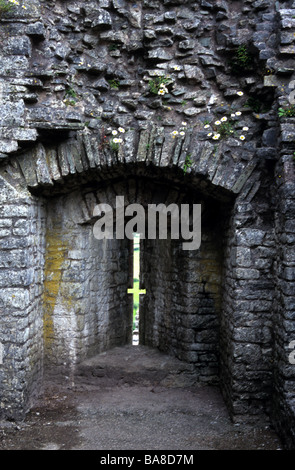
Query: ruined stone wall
[[22, 260], [72, 72], [248, 296], [284, 306], [86, 309], [180, 314], [69, 65]]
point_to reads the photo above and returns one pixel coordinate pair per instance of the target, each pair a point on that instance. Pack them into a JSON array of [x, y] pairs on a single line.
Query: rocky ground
[[132, 398]]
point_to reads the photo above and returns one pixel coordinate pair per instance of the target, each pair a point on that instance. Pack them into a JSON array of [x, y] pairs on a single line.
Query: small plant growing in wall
[[254, 104], [181, 132], [71, 97], [158, 85], [114, 84], [116, 140], [288, 111], [8, 5], [226, 126], [242, 60], [5, 6], [114, 47], [188, 163]]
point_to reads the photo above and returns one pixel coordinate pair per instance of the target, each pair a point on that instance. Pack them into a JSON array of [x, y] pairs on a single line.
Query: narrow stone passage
[[133, 398]]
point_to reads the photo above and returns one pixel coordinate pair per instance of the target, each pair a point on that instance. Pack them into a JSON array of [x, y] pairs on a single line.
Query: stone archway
[[86, 309], [50, 191]]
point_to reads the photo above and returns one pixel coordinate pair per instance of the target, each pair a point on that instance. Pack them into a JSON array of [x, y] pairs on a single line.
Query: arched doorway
[[86, 305]]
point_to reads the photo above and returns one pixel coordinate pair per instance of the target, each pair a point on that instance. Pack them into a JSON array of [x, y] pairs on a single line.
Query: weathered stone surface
[[71, 73]]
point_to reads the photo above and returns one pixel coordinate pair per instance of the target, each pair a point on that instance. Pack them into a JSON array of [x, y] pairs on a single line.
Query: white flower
[[117, 141], [238, 113], [245, 128], [114, 132], [216, 136], [224, 119], [240, 93], [242, 137], [217, 123], [184, 123], [162, 90], [209, 135], [233, 115], [174, 133], [182, 133], [206, 126], [120, 129]]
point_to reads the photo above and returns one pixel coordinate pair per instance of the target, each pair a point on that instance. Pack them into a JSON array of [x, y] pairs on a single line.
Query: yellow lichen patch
[[56, 251], [210, 275]]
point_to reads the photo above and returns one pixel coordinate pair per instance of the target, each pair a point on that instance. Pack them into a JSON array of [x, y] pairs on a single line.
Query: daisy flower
[[216, 136], [233, 115], [224, 119], [209, 135], [206, 126], [217, 123], [238, 113], [184, 123], [240, 93], [245, 128], [174, 133], [120, 129], [182, 133], [114, 132], [161, 92], [242, 137]]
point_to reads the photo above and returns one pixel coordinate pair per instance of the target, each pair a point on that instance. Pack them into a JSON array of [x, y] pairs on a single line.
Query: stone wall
[[248, 296], [71, 73], [180, 314], [22, 261], [86, 309], [283, 315]]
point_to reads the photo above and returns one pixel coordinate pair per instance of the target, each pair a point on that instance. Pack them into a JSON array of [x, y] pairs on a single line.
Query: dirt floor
[[132, 398]]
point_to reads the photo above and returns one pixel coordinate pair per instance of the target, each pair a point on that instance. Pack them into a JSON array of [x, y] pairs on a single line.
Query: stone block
[[102, 20], [245, 273], [8, 146], [19, 46], [250, 237], [159, 54], [193, 74]]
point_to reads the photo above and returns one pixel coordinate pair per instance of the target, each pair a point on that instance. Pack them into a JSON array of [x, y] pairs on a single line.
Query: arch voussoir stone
[[44, 165]]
